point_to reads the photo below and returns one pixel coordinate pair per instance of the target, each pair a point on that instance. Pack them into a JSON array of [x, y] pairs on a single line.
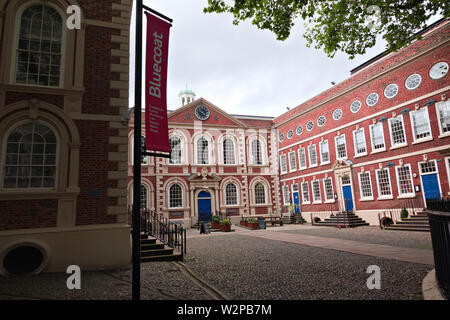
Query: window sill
[[366, 199], [317, 202], [306, 202], [407, 196], [42, 89], [313, 166], [293, 171], [378, 151], [360, 155], [444, 135], [8, 194], [325, 163], [385, 198], [423, 140], [398, 147], [330, 201], [345, 158]]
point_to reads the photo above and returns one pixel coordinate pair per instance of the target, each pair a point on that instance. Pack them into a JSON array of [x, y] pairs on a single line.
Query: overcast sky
[[242, 69]]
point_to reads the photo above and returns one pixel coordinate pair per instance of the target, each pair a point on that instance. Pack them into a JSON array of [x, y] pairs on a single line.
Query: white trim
[[281, 164], [410, 178], [314, 194], [292, 168], [325, 190], [370, 116], [427, 138], [398, 145], [371, 138], [437, 106], [286, 186], [384, 197], [299, 161], [303, 197], [336, 147], [354, 143], [362, 198], [320, 152], [311, 165]]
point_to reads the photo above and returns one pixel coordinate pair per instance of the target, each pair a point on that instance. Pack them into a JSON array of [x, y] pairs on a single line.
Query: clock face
[[202, 112]]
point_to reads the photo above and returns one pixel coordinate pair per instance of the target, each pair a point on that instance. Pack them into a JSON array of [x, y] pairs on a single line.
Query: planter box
[[244, 223], [226, 228], [253, 225], [215, 225]]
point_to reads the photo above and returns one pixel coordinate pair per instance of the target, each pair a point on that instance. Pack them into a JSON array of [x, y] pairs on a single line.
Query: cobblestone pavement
[[160, 281], [404, 239], [254, 268]]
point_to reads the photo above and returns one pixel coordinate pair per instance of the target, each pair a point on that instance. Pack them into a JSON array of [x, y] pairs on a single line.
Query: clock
[[202, 112]]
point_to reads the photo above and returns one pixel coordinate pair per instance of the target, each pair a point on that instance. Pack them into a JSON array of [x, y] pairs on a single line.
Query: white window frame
[[399, 145], [384, 197], [371, 138], [281, 164], [407, 195], [309, 195], [362, 197], [237, 194], [292, 168], [430, 137], [314, 194], [300, 167], [354, 143], [442, 103], [336, 147], [181, 153], [265, 194], [262, 150], [222, 150], [332, 200], [311, 165], [320, 152], [286, 195], [210, 150], [182, 196]]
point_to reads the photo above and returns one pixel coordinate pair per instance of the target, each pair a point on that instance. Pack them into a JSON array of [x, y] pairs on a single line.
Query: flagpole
[[136, 237]]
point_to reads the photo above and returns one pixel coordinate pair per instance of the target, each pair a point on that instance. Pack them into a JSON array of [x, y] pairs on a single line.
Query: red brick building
[[376, 139], [63, 157], [220, 163]]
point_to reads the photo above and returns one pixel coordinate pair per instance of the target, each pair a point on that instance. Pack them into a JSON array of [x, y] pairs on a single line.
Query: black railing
[[440, 237], [169, 233], [442, 205], [392, 215]]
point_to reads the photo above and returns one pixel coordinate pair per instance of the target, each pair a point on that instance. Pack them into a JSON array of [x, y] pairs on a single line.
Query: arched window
[[144, 197], [260, 193], [39, 46], [202, 151], [231, 194], [175, 146], [30, 159], [175, 196], [256, 152], [228, 151]]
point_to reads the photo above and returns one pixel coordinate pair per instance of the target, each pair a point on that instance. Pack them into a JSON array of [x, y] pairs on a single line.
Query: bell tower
[[186, 96]]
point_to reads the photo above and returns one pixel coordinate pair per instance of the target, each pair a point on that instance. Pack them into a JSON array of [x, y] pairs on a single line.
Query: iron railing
[[440, 238], [168, 232], [442, 205], [392, 215]]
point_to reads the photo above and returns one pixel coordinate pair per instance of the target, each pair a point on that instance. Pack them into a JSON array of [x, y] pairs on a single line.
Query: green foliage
[[404, 213], [226, 222], [337, 25], [216, 219], [252, 220]]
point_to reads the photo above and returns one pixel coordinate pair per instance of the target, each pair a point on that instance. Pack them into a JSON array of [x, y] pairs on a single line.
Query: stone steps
[[345, 219], [154, 250]]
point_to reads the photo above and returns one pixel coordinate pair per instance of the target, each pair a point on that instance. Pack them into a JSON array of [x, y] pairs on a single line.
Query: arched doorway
[[204, 206]]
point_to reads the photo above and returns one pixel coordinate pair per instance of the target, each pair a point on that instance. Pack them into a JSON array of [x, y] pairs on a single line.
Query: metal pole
[[136, 272]]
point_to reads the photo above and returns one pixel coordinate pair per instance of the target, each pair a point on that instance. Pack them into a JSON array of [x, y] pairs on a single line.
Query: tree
[[338, 25]]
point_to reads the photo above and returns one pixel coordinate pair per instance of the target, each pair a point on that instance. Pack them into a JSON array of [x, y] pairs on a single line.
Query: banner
[[156, 126]]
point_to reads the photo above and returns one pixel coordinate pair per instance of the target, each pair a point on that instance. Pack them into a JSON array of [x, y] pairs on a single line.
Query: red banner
[[156, 126]]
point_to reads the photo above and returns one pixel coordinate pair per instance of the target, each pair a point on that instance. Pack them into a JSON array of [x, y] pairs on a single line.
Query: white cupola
[[186, 96]]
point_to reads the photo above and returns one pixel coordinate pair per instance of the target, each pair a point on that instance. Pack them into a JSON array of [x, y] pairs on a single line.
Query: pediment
[[204, 176], [341, 164], [186, 114]]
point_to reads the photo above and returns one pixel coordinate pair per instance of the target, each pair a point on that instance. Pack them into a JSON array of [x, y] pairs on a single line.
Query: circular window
[[321, 121], [413, 81], [281, 137], [372, 99], [391, 91], [309, 125], [439, 70], [299, 130], [355, 106], [289, 134], [24, 259], [337, 114]]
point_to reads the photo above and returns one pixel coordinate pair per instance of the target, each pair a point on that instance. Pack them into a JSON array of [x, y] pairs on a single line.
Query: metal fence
[[392, 215], [442, 205], [170, 233], [440, 237]]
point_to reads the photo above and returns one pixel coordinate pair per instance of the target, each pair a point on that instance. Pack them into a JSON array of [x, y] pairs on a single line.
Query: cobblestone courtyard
[[247, 267]]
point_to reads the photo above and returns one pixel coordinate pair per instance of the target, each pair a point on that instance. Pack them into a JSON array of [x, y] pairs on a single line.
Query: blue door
[[204, 207], [431, 187], [296, 203], [348, 198]]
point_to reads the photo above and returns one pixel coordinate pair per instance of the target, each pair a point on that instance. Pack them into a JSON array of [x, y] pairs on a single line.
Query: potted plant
[[243, 222], [252, 223], [226, 225], [404, 213], [215, 222]]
